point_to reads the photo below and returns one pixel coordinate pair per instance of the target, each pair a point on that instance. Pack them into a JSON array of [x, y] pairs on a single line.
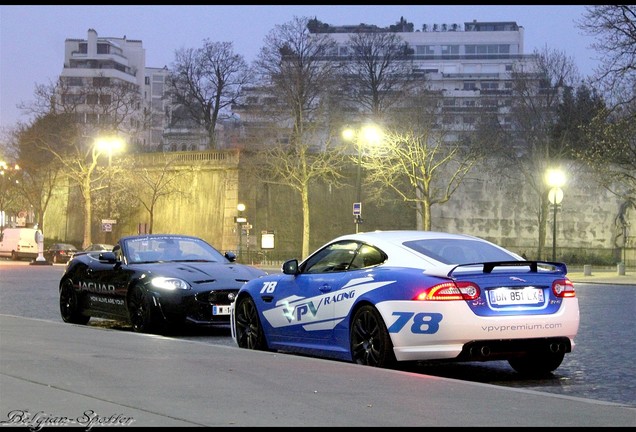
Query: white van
[[19, 243]]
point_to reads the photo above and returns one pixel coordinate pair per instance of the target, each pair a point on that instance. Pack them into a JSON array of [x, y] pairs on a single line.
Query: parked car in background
[[98, 247], [377, 298], [59, 252], [155, 282]]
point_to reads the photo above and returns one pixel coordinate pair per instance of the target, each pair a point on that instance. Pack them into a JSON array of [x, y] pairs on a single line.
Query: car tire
[[370, 343], [140, 311], [537, 364], [69, 305], [249, 331]]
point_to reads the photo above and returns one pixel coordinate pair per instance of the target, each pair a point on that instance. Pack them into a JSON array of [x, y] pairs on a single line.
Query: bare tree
[[612, 150], [102, 106], [106, 105], [156, 183], [39, 173], [12, 201], [533, 147], [377, 73], [614, 26], [298, 83], [207, 80], [415, 161]]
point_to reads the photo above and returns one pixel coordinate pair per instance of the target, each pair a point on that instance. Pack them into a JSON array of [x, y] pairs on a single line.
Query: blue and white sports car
[[383, 297]]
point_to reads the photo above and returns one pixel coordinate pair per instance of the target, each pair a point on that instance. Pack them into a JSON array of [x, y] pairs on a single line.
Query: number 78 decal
[[421, 323]]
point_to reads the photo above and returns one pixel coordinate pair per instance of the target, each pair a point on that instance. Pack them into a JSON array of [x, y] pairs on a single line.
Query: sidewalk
[[604, 277]]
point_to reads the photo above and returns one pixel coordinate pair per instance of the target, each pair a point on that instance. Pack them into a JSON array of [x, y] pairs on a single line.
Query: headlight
[[170, 284]]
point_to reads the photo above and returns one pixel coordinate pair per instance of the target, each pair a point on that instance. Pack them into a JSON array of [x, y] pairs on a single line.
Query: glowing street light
[[111, 144], [369, 135], [555, 178]]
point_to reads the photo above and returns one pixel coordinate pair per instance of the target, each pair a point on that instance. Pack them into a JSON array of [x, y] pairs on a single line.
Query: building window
[[91, 99], [103, 48], [157, 89], [73, 99], [74, 81], [487, 49], [424, 50], [450, 49], [101, 81], [470, 85]]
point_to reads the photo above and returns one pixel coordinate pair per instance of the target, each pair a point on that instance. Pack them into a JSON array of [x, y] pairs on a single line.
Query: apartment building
[[468, 64], [102, 83]]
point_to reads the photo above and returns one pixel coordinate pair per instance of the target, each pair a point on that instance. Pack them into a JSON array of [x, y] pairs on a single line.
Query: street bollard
[[587, 270], [620, 269]]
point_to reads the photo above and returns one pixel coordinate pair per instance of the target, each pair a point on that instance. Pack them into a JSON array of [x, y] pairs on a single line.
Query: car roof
[[159, 236], [400, 236], [391, 242]]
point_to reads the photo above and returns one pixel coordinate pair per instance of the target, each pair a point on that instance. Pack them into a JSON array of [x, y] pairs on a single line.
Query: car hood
[[207, 272]]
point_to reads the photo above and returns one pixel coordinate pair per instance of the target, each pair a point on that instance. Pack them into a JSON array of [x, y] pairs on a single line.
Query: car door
[[303, 306], [106, 285]]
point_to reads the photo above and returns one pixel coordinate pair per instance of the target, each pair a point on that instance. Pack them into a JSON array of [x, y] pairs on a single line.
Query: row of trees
[[556, 117]]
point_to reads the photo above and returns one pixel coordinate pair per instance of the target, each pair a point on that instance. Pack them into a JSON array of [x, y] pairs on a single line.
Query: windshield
[[170, 248]]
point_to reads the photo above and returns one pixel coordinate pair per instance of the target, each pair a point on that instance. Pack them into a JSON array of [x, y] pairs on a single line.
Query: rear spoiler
[[487, 267]]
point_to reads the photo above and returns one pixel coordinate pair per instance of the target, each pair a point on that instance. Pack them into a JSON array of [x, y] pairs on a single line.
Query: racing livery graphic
[[382, 297]]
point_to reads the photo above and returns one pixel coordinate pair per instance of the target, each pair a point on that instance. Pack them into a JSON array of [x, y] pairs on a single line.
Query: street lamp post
[[240, 220], [110, 145], [370, 135], [555, 179]]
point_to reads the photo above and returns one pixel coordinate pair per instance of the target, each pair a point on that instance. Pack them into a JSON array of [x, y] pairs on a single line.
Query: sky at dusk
[[32, 37]]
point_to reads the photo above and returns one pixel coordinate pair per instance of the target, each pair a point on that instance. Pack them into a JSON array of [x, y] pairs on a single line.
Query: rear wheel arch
[[369, 340]]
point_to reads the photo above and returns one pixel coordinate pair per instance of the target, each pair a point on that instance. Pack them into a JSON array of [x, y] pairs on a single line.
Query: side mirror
[[230, 256], [290, 267], [108, 257]]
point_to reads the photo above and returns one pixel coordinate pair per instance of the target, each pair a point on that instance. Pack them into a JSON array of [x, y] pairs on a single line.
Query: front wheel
[[369, 339], [140, 311], [69, 305], [249, 331]]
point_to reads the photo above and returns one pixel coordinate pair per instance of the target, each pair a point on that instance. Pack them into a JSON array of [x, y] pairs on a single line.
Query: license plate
[[509, 296], [220, 310]]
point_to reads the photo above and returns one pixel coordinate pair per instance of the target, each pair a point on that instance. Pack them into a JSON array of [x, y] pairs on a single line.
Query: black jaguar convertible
[[155, 282]]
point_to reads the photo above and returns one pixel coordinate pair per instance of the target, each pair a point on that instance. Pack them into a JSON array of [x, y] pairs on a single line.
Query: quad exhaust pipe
[[557, 347], [483, 351]]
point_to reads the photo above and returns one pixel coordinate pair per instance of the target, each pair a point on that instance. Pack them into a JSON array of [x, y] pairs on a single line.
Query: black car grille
[[216, 297]]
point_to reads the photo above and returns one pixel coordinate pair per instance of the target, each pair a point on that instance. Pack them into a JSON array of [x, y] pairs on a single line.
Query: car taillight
[[450, 291], [563, 288]]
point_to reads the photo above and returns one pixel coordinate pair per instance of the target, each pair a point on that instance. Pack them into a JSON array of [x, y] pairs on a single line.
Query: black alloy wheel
[[249, 332], [369, 339], [69, 305]]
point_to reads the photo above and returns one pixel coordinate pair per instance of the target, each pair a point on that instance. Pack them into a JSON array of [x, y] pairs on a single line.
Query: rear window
[[459, 251]]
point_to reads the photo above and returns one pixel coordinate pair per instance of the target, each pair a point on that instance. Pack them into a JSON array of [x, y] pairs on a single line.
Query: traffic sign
[[357, 209]]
